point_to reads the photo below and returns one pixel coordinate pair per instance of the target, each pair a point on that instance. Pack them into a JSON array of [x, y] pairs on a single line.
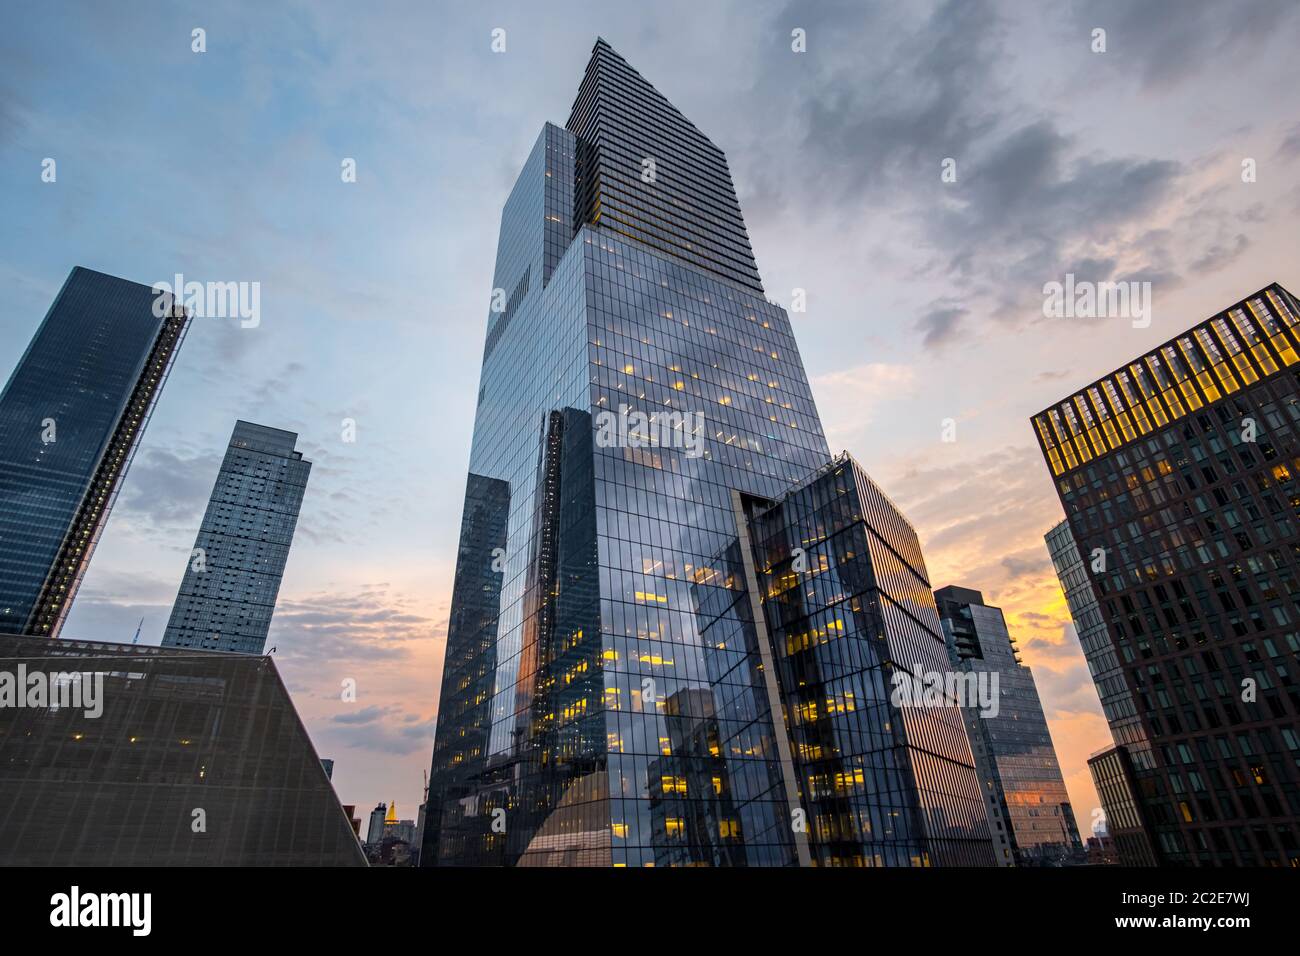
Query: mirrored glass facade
[[847, 605], [605, 699], [1178, 474], [228, 592], [1013, 747], [71, 416]]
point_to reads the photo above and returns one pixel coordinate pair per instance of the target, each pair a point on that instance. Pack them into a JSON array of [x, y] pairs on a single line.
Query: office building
[[1022, 781], [1178, 476], [1125, 820], [375, 830], [1132, 842], [129, 755], [71, 417], [610, 695], [232, 577], [886, 780]]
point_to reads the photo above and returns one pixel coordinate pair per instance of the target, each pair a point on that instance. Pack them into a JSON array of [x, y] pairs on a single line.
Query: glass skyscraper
[[1179, 474], [610, 694], [71, 417], [1111, 767], [228, 592], [1029, 805]]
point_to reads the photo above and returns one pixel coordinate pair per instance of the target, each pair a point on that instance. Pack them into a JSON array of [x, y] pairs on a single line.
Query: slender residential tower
[[71, 417], [228, 592], [1179, 474], [674, 617], [1012, 744]]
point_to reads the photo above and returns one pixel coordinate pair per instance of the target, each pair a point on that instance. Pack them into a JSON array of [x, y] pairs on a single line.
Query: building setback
[[611, 692], [71, 417], [1178, 476], [228, 592], [1028, 802]]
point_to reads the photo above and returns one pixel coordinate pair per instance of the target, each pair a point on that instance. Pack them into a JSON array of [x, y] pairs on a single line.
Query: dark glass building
[[1029, 806], [1117, 788], [228, 593], [180, 758], [71, 417], [1111, 769], [1178, 475], [605, 699]]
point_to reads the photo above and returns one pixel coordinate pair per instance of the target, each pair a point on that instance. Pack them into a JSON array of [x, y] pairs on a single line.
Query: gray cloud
[[384, 729], [1168, 42], [169, 489], [940, 326], [1031, 201]]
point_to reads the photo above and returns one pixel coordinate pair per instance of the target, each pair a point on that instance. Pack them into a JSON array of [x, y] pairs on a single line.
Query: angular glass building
[[178, 758], [1179, 474], [1029, 805], [886, 780], [228, 592], [1111, 768], [71, 417], [608, 695]]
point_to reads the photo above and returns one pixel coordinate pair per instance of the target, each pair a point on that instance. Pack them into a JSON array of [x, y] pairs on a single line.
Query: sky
[[924, 296]]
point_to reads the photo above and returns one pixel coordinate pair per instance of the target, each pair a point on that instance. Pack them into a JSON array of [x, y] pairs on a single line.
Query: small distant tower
[[375, 834]]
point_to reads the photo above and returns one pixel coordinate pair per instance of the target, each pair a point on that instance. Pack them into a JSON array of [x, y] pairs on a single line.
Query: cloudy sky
[[924, 297]]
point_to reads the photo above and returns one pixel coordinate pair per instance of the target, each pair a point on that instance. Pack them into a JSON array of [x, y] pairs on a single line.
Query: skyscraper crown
[[645, 170]]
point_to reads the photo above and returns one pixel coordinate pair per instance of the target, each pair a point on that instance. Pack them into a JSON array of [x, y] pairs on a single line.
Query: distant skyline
[[225, 166]]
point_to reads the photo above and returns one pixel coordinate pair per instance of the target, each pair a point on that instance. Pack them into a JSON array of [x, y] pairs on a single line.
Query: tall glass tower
[[611, 693], [228, 593], [1012, 744], [71, 417]]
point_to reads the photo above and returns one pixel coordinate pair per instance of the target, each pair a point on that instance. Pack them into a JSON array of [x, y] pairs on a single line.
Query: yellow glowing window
[[728, 829], [841, 703], [620, 830], [674, 826], [673, 784]]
